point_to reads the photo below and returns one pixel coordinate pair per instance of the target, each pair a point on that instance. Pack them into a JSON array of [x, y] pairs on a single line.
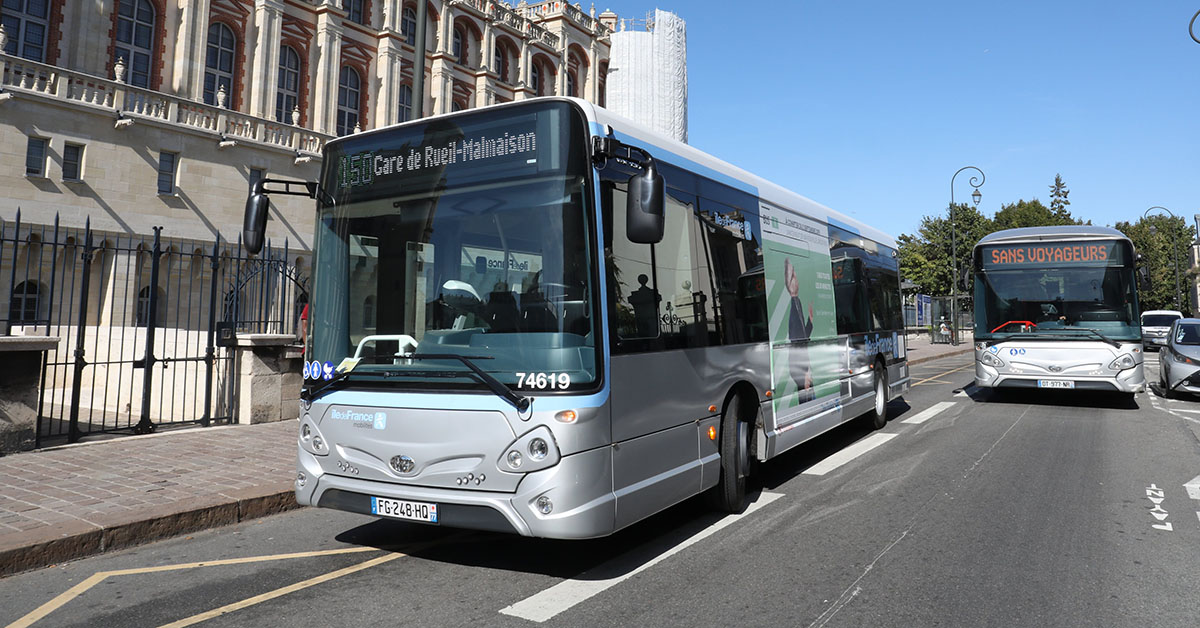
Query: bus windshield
[[1044, 291], [466, 236]]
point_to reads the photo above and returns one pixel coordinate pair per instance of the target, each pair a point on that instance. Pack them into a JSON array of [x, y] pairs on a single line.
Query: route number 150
[[543, 381]]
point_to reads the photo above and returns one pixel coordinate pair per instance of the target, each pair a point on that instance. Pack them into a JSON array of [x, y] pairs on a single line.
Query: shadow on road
[[1056, 398]]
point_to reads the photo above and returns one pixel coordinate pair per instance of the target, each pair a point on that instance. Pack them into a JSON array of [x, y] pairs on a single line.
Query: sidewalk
[[79, 500]]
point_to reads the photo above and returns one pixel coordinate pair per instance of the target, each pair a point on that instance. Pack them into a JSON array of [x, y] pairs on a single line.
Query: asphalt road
[[965, 510]]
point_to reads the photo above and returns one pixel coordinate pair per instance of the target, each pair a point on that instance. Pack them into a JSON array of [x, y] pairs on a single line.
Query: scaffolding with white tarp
[[647, 75]]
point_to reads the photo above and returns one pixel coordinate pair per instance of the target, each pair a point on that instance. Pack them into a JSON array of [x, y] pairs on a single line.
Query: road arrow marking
[[1193, 488]]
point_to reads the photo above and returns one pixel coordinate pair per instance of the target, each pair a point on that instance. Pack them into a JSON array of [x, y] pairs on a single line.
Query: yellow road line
[[270, 595], [941, 374], [98, 577]]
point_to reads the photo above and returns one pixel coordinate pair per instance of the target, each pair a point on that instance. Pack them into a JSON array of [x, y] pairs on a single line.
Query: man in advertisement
[[799, 331]]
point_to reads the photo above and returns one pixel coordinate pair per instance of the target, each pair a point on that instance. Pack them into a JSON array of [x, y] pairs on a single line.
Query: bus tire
[[877, 417], [729, 495]]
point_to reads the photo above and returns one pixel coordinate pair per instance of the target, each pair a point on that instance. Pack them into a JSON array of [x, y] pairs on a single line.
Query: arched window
[[368, 312], [135, 40], [287, 97], [23, 306], [501, 62], [348, 101], [571, 84], [456, 106], [535, 78], [218, 63], [460, 46], [143, 307], [406, 96], [408, 26], [354, 10], [26, 23]]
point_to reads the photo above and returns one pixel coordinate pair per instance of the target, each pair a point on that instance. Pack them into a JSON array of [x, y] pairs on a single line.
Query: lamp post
[[975, 182], [1174, 257]]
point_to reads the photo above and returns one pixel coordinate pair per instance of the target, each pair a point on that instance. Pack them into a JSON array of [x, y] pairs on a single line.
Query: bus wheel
[[877, 417], [729, 495]]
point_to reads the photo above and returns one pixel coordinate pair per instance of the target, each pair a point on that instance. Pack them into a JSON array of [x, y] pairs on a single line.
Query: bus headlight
[[533, 451], [1126, 361], [311, 440], [991, 360]]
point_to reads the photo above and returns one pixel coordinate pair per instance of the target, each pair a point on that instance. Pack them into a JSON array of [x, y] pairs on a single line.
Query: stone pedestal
[[269, 378], [20, 373]]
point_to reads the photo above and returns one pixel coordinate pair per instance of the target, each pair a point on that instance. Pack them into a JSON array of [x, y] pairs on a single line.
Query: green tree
[[925, 258], [1031, 214], [1058, 199], [1157, 238]]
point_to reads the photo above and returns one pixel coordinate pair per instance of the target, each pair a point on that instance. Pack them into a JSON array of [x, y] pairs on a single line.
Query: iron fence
[[144, 322]]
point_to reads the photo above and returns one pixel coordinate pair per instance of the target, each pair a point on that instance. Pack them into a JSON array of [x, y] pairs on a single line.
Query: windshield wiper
[[1059, 335], [502, 391], [309, 393], [1095, 333]]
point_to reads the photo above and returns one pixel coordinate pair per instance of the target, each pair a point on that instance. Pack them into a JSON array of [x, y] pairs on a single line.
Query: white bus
[[1057, 308], [541, 318]]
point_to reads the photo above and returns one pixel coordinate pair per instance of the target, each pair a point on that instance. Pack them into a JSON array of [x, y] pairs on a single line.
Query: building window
[[535, 79], [135, 40], [460, 48], [35, 157], [143, 307], [23, 306], [406, 97], [571, 84], [218, 63], [368, 312], [456, 106], [287, 97], [348, 101], [167, 164], [408, 26], [501, 62], [72, 163], [26, 23], [354, 10]]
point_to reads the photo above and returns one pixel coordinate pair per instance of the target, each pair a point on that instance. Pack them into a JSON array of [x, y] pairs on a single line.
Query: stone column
[[264, 64], [329, 61], [269, 378], [560, 87], [21, 360], [389, 70], [522, 70], [593, 78], [188, 72]]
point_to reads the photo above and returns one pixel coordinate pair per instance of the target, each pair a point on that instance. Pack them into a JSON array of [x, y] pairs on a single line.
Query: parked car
[[1179, 362], [1155, 324]]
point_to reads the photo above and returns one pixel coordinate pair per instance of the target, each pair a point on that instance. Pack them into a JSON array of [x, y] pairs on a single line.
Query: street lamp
[[1174, 257], [976, 196]]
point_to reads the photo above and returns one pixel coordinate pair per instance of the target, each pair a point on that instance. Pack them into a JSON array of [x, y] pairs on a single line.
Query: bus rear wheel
[[877, 417], [729, 495]]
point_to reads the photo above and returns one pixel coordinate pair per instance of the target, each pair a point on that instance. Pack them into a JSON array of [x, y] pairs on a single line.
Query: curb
[[31, 550]]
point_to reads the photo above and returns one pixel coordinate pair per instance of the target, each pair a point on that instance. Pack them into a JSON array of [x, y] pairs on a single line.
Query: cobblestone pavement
[[77, 500]]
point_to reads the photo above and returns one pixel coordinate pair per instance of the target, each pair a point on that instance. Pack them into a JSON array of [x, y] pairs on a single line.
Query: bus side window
[[730, 248], [633, 296]]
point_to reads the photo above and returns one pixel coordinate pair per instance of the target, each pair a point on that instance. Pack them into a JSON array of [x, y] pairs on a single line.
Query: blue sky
[[870, 107]]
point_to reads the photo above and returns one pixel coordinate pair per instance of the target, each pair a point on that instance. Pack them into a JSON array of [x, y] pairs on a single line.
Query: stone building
[[126, 115]]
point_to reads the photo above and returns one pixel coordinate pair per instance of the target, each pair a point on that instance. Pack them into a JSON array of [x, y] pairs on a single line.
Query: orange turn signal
[[770, 394], [712, 408], [566, 416], [712, 433]]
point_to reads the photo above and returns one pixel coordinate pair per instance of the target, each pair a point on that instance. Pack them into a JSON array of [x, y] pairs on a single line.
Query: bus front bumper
[[1131, 380], [579, 488]]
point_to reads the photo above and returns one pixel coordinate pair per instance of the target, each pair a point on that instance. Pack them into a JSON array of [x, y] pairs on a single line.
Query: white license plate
[[1055, 383], [401, 509]]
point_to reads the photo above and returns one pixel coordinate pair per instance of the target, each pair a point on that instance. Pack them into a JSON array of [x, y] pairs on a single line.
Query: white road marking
[[848, 454], [1193, 488], [929, 413], [562, 596], [1188, 411]]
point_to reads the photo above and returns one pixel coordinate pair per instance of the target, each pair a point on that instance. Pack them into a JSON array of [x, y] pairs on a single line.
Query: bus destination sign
[[1052, 254]]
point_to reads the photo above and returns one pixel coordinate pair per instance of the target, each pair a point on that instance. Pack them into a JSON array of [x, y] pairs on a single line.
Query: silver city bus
[[540, 318], [1057, 307]]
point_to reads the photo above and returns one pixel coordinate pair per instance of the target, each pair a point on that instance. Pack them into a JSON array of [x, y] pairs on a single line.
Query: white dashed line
[[562, 596], [848, 454], [929, 412]]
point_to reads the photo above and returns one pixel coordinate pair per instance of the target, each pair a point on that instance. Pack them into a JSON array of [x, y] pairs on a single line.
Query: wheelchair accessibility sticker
[[1016, 352]]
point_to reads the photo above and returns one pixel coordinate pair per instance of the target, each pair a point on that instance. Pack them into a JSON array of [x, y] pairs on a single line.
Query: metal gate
[[137, 318]]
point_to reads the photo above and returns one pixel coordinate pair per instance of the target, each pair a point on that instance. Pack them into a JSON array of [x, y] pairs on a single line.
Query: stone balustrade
[[134, 103]]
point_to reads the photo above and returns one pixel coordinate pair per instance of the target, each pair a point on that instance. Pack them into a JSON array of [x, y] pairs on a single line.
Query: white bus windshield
[[467, 236], [1056, 289]]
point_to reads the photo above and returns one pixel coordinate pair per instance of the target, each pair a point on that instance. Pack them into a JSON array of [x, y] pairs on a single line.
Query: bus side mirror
[[1143, 275], [644, 216], [964, 279], [254, 225]]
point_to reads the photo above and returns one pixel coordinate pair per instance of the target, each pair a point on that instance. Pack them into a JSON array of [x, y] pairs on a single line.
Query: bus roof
[[1059, 232]]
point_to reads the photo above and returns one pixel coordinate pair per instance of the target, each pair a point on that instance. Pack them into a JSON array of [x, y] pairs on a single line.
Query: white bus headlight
[[991, 360], [1126, 361], [532, 451], [311, 439], [538, 449]]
